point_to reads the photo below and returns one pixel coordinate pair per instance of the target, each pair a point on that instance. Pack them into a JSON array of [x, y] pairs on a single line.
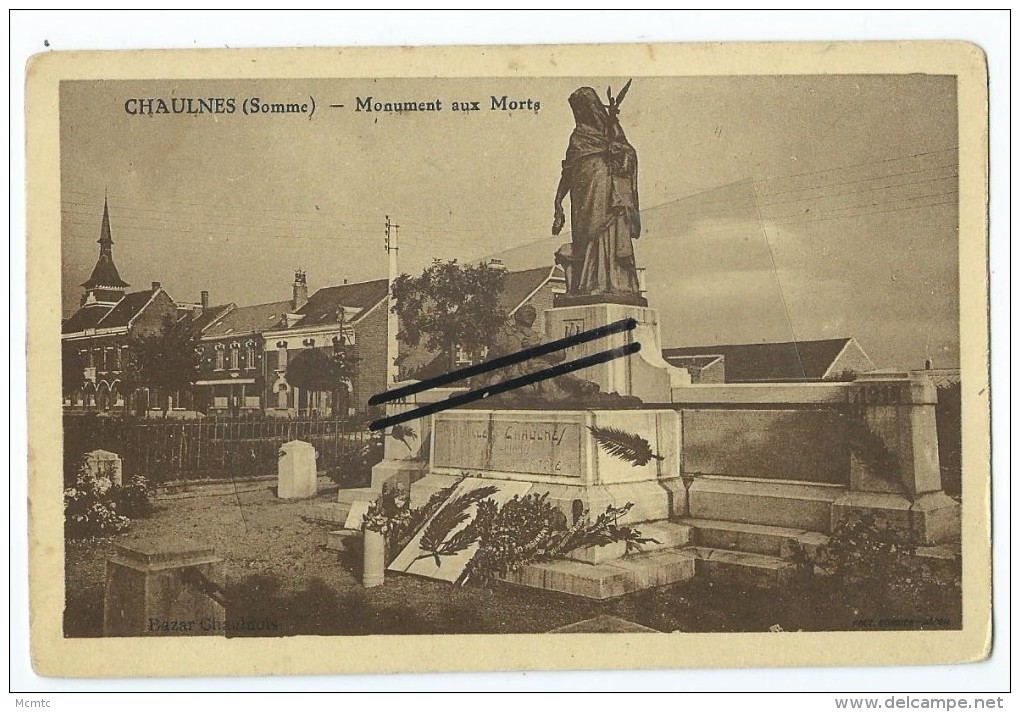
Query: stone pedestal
[[103, 463], [296, 474], [644, 374], [895, 413], [157, 589], [405, 458], [559, 453]]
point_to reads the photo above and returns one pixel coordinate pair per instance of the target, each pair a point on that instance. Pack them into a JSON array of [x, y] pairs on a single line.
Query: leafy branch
[[441, 536]]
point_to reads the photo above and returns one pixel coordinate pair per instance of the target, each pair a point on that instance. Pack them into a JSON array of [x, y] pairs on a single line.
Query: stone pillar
[[644, 374], [406, 449], [103, 463], [162, 588], [894, 459], [296, 474]]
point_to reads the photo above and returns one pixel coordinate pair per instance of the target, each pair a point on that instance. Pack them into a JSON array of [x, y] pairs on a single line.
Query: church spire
[[105, 284], [105, 240]]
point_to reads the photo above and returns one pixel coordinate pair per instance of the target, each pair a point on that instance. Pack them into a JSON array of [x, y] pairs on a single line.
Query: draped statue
[[600, 176]]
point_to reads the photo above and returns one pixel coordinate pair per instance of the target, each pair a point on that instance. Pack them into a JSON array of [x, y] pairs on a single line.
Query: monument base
[[645, 374], [585, 461], [932, 518], [581, 300]]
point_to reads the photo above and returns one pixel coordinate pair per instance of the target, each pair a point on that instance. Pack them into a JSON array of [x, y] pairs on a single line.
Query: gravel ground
[[277, 568]]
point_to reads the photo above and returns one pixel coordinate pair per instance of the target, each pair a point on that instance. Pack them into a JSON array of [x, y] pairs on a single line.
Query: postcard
[[508, 358]]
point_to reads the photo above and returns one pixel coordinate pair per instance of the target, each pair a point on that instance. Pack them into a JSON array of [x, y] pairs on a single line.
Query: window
[[101, 354], [281, 355], [219, 357], [116, 359], [235, 355], [249, 356]]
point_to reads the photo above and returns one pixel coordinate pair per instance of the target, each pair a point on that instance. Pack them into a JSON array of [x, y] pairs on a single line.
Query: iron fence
[[212, 449]]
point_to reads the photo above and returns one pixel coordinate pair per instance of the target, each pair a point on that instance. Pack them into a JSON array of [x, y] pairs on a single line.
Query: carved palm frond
[[629, 447]]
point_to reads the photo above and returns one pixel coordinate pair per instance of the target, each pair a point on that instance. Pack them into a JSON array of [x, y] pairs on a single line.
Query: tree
[[315, 370], [449, 306], [166, 360]]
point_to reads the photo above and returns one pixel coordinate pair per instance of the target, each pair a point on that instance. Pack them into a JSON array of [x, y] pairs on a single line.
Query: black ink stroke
[[460, 374], [519, 382]]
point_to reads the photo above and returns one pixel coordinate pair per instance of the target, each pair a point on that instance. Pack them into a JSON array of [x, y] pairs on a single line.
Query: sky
[[775, 208]]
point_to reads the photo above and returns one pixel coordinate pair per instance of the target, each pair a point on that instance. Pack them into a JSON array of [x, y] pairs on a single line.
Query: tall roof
[[322, 306], [102, 316], [210, 315], [248, 320], [518, 286], [787, 361], [105, 274], [126, 309], [85, 318]]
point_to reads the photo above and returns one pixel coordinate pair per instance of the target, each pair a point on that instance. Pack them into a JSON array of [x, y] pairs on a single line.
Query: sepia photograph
[[636, 350]]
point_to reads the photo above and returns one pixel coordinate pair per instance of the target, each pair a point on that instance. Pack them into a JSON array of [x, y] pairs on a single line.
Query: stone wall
[[780, 444]]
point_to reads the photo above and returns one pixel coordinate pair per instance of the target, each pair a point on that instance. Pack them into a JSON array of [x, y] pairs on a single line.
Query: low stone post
[[163, 588], [296, 474], [894, 460], [103, 463], [373, 570]]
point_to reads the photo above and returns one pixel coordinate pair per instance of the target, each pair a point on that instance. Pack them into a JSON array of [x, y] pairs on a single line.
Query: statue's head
[[525, 316], [588, 109]]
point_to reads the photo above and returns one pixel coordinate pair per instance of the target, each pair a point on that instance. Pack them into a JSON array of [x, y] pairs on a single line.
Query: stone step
[[356, 494], [754, 538], [742, 568], [667, 535], [332, 512], [776, 503], [611, 578]]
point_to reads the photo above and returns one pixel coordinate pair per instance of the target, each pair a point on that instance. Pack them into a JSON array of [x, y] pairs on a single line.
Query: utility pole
[[391, 318]]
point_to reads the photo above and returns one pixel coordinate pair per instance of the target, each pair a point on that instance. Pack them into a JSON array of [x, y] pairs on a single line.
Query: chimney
[[155, 286], [300, 290], [205, 299]]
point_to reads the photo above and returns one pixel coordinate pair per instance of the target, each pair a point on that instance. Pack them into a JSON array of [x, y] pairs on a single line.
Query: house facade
[[343, 322]]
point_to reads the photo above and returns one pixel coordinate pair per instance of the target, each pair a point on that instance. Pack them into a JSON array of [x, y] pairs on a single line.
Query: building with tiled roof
[[344, 317], [231, 353], [817, 360], [95, 339]]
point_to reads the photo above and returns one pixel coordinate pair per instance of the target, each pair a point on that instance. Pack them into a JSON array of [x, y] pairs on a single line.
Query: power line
[[875, 212], [773, 179], [865, 163], [207, 216], [189, 233], [367, 223], [863, 180]]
